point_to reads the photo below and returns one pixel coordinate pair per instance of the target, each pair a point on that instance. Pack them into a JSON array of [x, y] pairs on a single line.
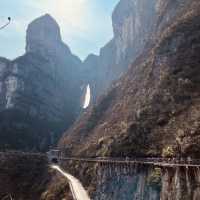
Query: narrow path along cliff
[[78, 191]]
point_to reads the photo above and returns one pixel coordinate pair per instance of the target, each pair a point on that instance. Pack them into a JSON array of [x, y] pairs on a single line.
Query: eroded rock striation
[[137, 24], [45, 85]]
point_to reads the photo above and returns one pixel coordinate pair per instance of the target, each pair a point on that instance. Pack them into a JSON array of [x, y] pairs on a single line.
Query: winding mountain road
[[77, 189]]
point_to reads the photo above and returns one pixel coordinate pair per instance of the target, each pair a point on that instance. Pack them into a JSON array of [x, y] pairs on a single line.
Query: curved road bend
[[77, 189]]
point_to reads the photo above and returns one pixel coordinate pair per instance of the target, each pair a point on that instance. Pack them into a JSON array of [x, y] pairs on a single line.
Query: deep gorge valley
[[145, 104]]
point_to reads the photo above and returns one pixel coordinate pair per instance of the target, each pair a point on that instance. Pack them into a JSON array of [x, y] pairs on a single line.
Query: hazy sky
[[85, 24]]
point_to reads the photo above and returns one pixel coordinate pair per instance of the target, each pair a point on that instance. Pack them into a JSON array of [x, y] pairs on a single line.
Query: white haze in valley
[[78, 191]]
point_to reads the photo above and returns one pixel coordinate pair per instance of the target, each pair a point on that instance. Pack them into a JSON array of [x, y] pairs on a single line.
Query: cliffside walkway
[[162, 162]]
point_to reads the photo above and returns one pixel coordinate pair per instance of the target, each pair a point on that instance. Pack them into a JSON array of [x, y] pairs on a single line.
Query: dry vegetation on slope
[[155, 105]]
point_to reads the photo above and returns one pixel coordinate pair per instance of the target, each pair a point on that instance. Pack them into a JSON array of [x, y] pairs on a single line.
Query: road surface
[[77, 189]]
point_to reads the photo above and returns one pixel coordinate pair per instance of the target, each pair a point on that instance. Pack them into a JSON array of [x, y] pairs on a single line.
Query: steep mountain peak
[[42, 32]]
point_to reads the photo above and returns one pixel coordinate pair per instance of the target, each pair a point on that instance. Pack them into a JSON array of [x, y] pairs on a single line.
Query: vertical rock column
[[180, 184], [125, 182]]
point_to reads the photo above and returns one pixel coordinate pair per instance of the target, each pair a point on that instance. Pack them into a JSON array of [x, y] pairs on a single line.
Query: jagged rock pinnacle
[[43, 32]]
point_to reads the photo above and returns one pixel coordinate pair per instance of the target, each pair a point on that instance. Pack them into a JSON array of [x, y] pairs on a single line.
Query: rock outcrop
[[43, 34], [40, 91], [114, 184]]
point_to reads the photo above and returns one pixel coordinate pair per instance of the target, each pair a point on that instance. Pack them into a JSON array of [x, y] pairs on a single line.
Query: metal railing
[[148, 161]]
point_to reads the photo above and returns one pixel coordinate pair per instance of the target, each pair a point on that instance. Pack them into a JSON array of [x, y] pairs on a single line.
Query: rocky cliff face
[[40, 91], [180, 184], [43, 34], [152, 110], [136, 26], [155, 105]]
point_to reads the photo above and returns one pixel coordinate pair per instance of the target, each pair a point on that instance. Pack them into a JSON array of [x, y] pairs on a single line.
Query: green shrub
[[168, 152], [154, 179]]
